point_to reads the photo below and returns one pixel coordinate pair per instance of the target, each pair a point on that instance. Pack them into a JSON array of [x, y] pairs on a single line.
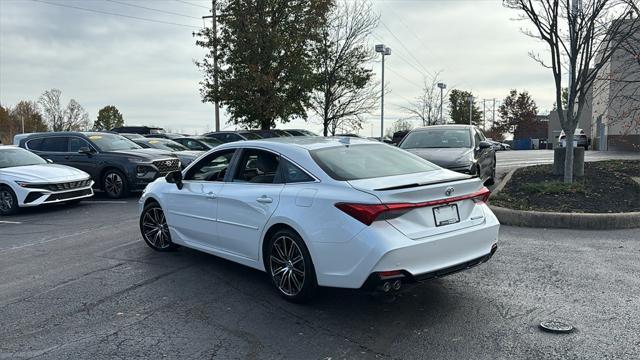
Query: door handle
[[264, 200], [67, 157], [210, 195]]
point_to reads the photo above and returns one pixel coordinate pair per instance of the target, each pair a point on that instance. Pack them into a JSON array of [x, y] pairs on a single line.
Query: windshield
[[112, 142], [251, 136], [437, 138], [166, 145], [210, 141], [368, 161], [19, 157]]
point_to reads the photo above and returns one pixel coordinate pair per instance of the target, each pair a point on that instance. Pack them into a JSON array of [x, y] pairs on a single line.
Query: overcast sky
[[146, 68]]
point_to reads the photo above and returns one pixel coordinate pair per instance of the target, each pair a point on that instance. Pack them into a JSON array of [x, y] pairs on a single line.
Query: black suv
[[116, 164]]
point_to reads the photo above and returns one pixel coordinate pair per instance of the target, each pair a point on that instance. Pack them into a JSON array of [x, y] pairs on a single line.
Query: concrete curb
[[581, 221]]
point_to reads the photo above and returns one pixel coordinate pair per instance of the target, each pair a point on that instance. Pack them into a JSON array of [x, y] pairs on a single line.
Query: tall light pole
[[214, 55], [470, 99], [442, 86], [380, 48]]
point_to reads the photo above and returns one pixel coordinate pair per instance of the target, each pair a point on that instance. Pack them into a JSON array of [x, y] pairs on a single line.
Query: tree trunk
[[568, 158]]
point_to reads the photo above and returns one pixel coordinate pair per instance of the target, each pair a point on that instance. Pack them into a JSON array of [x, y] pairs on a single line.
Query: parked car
[[116, 164], [231, 136], [27, 180], [579, 138], [323, 212], [461, 148], [301, 132], [142, 130], [198, 143], [170, 136], [183, 153]]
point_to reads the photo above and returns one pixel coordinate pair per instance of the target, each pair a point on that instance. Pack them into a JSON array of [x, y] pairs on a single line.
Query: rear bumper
[[380, 247]]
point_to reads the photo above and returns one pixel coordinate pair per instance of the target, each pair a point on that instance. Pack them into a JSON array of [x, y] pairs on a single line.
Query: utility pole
[[493, 118], [470, 98], [484, 115], [22, 119], [442, 86], [380, 48], [214, 55]]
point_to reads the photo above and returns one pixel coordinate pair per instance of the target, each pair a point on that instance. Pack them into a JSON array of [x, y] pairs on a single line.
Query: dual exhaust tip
[[391, 285]]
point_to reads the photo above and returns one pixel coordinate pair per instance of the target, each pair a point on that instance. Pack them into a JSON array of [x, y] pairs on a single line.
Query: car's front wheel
[[8, 201], [290, 267], [114, 184], [154, 228]]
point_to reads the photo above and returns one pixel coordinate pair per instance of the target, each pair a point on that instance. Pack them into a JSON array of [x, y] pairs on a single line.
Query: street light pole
[[380, 48], [470, 98], [442, 86], [214, 55]]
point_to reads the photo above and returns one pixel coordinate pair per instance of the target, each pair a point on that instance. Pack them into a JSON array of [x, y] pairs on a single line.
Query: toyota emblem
[[449, 191], [167, 163]]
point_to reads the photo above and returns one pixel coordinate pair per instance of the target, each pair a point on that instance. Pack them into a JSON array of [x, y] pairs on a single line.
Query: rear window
[[367, 161]]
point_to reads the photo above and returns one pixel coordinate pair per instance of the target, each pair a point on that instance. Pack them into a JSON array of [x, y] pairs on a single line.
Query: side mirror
[[175, 177], [85, 150], [484, 145], [49, 161]]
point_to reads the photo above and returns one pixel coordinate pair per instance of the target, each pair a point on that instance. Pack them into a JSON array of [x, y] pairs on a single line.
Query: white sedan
[[312, 211], [28, 180]]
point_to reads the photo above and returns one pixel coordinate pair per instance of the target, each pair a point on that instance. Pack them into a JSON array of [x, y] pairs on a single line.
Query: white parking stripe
[[10, 222]]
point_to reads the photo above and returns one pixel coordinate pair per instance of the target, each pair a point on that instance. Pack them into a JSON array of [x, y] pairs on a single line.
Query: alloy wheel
[[6, 201], [155, 229], [113, 184], [287, 266]]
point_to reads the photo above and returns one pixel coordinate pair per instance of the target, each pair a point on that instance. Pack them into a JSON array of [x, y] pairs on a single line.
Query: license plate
[[446, 215]]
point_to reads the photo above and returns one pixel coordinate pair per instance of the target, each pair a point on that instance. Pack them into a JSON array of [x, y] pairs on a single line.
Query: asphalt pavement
[[77, 282]]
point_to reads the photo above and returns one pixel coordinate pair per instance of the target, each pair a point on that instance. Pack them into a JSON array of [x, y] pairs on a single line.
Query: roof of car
[[449, 126]]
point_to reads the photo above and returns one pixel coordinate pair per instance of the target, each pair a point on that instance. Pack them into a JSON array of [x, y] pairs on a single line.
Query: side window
[[293, 174], [34, 144], [54, 144], [258, 166], [194, 145], [75, 143], [211, 168], [482, 137]]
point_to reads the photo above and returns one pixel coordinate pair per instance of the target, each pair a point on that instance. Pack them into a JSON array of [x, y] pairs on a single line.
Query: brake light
[[368, 213]]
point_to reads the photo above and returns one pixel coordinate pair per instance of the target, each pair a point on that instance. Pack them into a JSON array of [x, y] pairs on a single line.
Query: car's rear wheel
[[154, 228], [8, 201], [114, 184], [290, 267]]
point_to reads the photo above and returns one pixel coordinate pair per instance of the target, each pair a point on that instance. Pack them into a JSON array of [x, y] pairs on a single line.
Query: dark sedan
[[198, 143], [461, 148], [183, 153], [231, 136]]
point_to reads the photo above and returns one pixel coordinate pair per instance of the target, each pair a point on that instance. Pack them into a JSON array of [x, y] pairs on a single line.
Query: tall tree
[[109, 117], [459, 108], [29, 112], [426, 106], [266, 63], [400, 125], [7, 126], [71, 118], [582, 37], [346, 89], [517, 114]]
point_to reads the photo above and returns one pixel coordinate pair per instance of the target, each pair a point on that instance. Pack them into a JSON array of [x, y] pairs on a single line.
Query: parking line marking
[[10, 222], [105, 202]]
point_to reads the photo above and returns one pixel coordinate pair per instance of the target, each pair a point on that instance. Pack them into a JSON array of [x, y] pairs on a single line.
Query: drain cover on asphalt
[[555, 326]]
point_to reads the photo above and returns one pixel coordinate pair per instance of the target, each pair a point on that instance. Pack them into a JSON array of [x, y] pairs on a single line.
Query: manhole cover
[[556, 326]]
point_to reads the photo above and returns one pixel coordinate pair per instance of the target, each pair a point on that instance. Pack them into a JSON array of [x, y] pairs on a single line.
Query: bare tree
[[71, 118], [426, 106], [582, 37], [346, 89]]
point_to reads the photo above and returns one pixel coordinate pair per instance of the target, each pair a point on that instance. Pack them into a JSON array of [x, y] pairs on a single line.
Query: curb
[[580, 221]]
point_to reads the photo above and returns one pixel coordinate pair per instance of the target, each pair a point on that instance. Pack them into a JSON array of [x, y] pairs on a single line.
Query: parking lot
[[78, 282]]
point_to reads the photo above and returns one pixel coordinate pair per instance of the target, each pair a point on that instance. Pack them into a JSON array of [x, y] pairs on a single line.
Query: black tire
[[8, 201], [290, 268], [154, 229], [114, 184]]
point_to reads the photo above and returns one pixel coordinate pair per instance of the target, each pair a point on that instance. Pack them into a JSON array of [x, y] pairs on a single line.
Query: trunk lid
[[420, 222]]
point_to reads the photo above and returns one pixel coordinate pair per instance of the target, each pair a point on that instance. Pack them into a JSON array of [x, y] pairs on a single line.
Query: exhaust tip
[[397, 284], [386, 286]]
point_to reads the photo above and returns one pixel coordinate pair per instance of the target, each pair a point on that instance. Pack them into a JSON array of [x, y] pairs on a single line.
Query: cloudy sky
[[146, 68]]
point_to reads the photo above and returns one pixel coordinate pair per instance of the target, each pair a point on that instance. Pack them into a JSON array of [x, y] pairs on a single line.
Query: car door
[[248, 200], [88, 163], [192, 211], [52, 148], [483, 156]]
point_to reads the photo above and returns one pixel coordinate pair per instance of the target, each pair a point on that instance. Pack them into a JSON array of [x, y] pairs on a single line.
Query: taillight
[[368, 213]]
